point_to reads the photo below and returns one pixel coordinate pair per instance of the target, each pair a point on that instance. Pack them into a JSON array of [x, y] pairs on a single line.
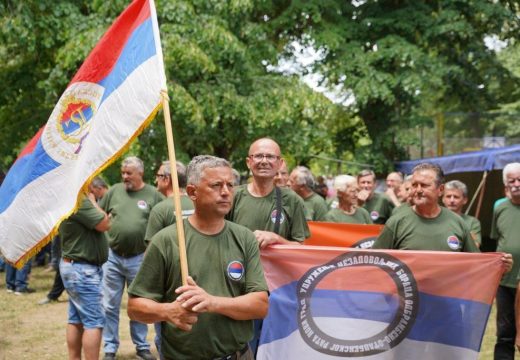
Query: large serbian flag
[[340, 234], [110, 100], [330, 303]]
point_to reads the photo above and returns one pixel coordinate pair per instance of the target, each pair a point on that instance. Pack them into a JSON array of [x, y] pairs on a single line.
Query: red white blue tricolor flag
[[110, 100], [332, 302]]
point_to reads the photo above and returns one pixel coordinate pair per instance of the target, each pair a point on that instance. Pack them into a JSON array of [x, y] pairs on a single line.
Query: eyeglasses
[[163, 176], [268, 157]]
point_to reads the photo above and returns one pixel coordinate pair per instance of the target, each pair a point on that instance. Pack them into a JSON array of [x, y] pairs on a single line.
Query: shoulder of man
[[405, 213], [237, 228], [290, 196], [112, 191], [503, 206], [166, 235]]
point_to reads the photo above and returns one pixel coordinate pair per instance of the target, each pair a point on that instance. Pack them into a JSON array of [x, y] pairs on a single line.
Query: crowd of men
[[127, 238]]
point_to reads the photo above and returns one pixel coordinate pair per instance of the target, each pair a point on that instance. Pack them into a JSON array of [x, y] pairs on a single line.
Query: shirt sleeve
[[88, 215], [155, 224], [255, 279], [494, 229], [385, 240], [476, 231], [149, 282], [321, 211], [299, 229]]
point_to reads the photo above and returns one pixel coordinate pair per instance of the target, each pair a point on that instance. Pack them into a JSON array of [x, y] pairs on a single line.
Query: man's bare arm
[[266, 238]]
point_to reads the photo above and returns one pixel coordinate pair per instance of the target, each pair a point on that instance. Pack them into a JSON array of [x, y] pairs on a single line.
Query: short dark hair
[[439, 174]]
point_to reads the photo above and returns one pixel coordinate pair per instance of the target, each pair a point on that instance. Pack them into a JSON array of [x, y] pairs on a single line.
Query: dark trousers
[[506, 329], [57, 287]]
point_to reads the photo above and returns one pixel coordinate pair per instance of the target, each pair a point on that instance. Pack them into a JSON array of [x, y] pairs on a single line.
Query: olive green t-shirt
[[505, 228], [163, 214], [80, 241], [129, 211], [332, 203], [409, 231], [396, 210], [226, 264], [379, 208], [259, 213], [360, 216], [474, 227], [315, 208]]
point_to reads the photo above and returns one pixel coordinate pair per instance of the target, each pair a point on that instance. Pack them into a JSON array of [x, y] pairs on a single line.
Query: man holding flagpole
[[210, 317]]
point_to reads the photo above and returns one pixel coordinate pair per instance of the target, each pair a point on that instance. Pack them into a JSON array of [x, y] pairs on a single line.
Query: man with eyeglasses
[[163, 214], [128, 204], [276, 215]]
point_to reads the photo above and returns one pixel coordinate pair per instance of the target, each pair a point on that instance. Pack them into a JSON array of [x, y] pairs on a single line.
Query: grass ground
[[37, 332]]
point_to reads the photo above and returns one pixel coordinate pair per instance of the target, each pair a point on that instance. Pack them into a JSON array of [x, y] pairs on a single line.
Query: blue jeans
[[83, 283], [118, 272], [17, 279]]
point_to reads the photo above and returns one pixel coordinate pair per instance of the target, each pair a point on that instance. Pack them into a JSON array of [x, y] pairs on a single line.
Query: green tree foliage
[[215, 52], [404, 59]]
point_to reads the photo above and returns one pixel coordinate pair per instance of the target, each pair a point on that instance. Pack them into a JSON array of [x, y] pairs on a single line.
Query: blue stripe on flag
[[444, 320], [23, 171], [139, 48]]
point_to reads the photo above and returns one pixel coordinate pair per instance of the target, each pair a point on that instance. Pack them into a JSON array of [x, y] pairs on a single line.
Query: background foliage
[[403, 62]]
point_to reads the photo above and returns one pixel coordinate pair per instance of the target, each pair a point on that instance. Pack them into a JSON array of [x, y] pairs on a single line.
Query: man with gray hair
[[302, 183], [426, 225], [163, 214], [394, 180], [347, 211], [128, 204], [454, 198], [211, 317], [378, 206], [98, 187], [505, 229]]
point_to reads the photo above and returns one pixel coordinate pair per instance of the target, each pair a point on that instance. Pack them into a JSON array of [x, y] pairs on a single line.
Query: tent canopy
[[484, 160]]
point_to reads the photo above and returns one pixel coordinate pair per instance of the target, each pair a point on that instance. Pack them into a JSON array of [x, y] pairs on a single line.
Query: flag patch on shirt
[[235, 270], [453, 242]]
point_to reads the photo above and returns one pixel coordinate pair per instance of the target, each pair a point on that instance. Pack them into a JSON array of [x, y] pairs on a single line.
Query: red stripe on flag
[[100, 62], [31, 144], [340, 234]]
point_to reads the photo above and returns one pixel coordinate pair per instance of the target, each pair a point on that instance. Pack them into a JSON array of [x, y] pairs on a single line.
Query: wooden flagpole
[[481, 196], [479, 192], [175, 183]]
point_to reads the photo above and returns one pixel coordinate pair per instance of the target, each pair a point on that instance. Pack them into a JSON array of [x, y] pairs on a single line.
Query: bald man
[[276, 215]]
